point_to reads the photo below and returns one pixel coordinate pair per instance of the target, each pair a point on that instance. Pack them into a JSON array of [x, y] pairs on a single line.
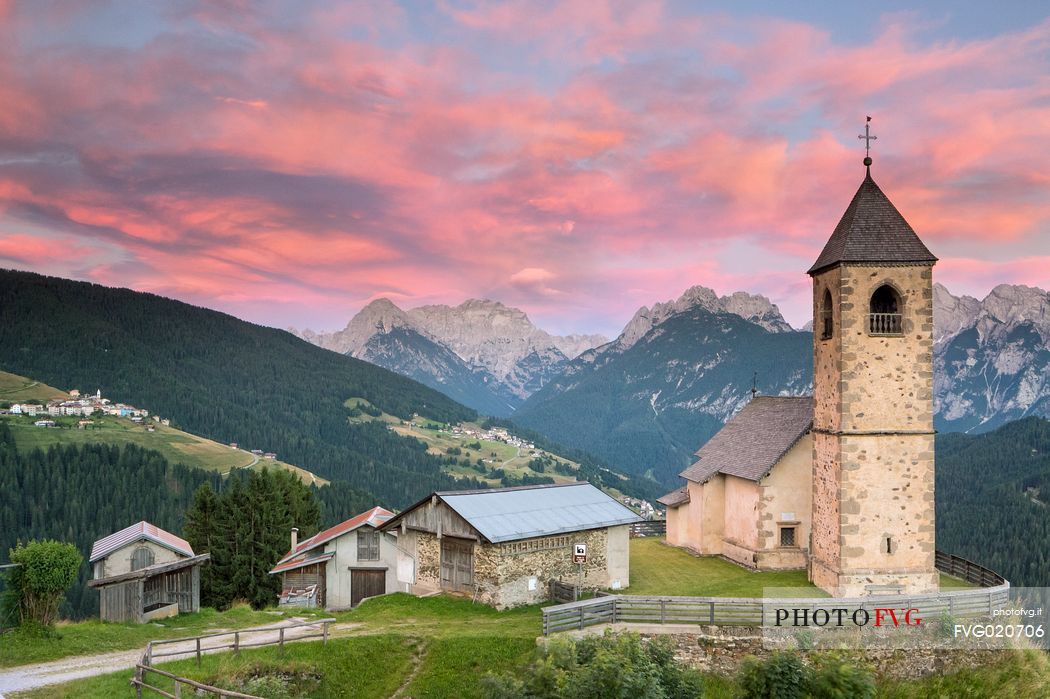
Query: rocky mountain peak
[[1007, 304], [752, 307]]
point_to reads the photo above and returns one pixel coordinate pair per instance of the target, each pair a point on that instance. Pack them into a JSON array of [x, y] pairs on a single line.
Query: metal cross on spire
[[868, 138]]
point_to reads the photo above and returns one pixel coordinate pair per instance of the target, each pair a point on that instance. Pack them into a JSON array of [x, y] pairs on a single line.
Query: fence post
[[663, 610], [615, 602], [138, 682], [951, 606], [712, 613], [236, 641], [581, 617], [198, 651], [178, 690], [325, 633], [280, 640]]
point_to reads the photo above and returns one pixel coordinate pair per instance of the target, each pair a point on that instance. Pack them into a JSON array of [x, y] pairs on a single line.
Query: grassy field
[[659, 569], [90, 637], [435, 647], [495, 454], [18, 389], [441, 647], [176, 446]]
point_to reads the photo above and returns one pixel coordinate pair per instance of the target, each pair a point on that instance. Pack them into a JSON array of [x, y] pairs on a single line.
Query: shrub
[[46, 570], [595, 667], [781, 676], [834, 677]]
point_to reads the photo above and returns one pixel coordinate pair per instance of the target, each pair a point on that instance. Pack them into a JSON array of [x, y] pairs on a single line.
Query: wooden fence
[[728, 611], [145, 665], [650, 527]]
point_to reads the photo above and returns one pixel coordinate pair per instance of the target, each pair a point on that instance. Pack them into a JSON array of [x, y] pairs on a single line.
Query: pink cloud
[[322, 164]]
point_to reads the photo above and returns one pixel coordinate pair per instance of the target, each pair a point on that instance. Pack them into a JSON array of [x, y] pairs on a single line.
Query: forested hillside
[[223, 378], [648, 408], [84, 492], [80, 494], [993, 499]]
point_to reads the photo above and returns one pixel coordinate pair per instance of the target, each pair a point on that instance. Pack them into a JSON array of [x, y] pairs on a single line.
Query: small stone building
[[143, 572], [748, 495], [339, 567], [503, 546]]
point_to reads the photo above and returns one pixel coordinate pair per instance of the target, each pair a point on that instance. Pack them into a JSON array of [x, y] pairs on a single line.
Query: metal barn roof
[[510, 514], [136, 532]]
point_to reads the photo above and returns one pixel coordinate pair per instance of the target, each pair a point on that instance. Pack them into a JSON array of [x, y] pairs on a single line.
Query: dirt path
[[23, 677]]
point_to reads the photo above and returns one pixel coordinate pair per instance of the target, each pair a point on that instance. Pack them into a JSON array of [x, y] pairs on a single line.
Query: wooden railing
[[728, 611], [145, 665], [967, 570], [650, 527], [884, 324]]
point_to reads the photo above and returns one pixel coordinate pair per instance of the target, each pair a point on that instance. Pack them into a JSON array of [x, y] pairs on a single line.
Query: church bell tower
[[873, 462]]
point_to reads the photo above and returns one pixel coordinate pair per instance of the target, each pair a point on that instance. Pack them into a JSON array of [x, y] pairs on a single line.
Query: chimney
[[295, 537]]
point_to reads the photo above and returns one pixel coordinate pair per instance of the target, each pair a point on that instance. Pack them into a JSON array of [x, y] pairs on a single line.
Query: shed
[[503, 546], [340, 566], [143, 572]]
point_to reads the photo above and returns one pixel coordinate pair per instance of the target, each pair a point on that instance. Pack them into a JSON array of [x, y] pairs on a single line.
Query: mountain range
[[491, 357], [649, 398]]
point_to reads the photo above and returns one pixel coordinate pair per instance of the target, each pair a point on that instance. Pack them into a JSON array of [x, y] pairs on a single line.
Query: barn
[[340, 566], [503, 546], [143, 573]]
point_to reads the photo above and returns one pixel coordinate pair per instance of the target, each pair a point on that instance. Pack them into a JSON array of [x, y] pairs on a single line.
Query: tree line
[[82, 493]]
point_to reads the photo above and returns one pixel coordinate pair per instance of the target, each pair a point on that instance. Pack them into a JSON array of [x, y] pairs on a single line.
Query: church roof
[[754, 439], [872, 230], [675, 498]]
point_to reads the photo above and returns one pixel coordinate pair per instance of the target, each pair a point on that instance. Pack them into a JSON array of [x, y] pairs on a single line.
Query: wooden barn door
[[366, 583], [457, 565]]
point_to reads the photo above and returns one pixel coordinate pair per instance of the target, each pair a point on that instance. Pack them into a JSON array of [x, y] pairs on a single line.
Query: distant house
[[143, 572], [503, 546], [44, 423], [339, 567]]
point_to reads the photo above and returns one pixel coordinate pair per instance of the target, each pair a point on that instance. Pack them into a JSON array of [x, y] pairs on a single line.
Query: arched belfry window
[[826, 322], [884, 312]]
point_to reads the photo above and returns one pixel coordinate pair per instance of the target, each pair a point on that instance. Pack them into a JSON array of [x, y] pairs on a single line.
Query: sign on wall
[[579, 553]]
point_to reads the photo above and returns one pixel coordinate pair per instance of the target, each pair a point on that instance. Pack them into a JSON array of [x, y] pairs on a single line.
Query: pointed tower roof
[[872, 230]]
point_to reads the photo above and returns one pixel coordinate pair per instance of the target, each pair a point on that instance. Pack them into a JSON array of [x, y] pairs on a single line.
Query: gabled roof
[[871, 231], [526, 512], [754, 439], [676, 497], [136, 532], [299, 560], [374, 518]]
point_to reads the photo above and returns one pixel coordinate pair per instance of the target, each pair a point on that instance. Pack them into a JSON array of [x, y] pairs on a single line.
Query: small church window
[[884, 312], [141, 558], [787, 536], [889, 544], [825, 316]]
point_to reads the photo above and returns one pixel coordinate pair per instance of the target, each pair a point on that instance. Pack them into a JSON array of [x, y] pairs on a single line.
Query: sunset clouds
[[576, 159]]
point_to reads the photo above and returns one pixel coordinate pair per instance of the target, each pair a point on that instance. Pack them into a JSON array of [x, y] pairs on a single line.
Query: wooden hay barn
[[143, 572]]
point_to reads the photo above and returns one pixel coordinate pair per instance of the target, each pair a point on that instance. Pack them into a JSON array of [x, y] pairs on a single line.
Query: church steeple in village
[[840, 483], [873, 464]]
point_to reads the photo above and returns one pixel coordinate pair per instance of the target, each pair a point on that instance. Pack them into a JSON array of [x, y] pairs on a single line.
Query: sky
[[289, 162]]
